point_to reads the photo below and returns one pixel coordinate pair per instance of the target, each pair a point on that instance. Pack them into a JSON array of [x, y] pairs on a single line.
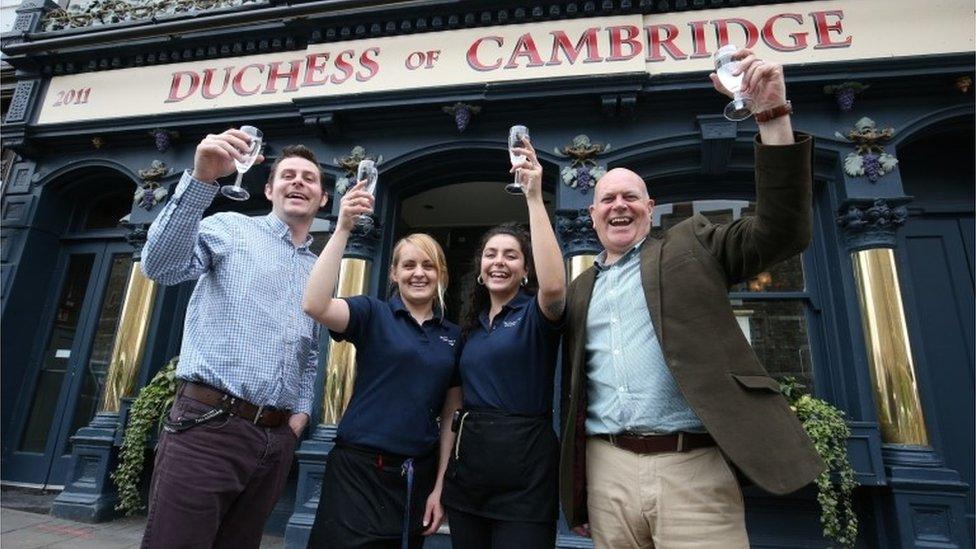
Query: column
[[341, 366], [578, 240], [925, 500]]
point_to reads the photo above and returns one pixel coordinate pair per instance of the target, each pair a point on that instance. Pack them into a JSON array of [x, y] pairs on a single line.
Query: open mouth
[[620, 221], [499, 275], [296, 196]]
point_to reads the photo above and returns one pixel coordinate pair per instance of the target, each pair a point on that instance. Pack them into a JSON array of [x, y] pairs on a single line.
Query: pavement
[[26, 524]]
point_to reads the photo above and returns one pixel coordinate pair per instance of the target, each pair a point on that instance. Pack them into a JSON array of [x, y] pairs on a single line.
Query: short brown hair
[[289, 151]]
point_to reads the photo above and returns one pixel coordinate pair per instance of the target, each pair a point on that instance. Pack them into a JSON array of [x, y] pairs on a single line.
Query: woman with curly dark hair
[[501, 486]]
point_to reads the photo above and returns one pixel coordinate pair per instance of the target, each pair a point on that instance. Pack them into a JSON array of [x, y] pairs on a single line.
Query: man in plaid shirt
[[248, 360]]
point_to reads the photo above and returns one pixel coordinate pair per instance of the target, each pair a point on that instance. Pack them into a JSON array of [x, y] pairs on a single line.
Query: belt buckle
[[681, 442], [257, 416]]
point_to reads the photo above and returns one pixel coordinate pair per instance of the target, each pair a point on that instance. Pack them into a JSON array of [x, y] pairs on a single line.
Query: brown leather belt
[[654, 444], [263, 416]]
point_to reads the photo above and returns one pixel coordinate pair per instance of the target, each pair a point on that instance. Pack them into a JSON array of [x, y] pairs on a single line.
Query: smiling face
[[295, 191], [621, 211], [415, 274], [502, 264]]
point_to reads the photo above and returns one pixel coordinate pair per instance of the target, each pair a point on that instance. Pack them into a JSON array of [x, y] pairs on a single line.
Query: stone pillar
[[354, 274], [578, 240], [341, 369], [926, 500], [89, 493]]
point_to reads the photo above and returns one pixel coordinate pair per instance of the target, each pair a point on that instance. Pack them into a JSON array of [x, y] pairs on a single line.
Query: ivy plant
[[145, 418], [835, 486]]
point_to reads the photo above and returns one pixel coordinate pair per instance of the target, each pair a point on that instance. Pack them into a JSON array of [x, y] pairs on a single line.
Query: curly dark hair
[[478, 298]]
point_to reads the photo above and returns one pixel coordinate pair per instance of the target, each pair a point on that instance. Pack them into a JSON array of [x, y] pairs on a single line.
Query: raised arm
[[179, 245], [782, 224], [545, 249], [319, 301]]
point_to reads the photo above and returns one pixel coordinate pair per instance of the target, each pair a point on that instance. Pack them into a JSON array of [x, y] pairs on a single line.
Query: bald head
[[621, 211], [621, 176]]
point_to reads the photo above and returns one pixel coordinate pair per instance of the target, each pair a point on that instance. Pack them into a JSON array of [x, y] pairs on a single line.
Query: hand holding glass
[[517, 138], [740, 107], [367, 172], [235, 191]]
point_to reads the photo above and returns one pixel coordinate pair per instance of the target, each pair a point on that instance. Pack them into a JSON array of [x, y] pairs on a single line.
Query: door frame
[[48, 469]]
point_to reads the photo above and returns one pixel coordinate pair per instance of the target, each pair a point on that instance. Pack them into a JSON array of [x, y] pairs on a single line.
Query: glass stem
[[237, 183]]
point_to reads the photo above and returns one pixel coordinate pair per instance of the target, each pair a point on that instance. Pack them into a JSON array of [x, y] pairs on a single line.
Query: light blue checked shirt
[[630, 387], [245, 331]]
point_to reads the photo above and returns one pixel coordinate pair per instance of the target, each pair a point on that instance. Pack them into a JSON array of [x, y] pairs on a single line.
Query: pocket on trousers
[[186, 408]]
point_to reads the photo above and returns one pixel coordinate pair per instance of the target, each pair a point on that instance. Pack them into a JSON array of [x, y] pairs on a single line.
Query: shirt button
[[620, 389], [616, 351], [614, 320]]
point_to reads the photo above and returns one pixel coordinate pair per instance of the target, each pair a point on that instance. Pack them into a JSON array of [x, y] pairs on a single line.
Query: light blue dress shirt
[[630, 388], [245, 331]]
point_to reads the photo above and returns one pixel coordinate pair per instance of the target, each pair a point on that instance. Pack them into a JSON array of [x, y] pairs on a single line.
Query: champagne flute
[[235, 191], [517, 137], [367, 171], [740, 107]]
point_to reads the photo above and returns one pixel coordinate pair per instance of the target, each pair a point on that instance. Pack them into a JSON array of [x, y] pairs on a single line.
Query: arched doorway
[[67, 360], [455, 195], [935, 254]]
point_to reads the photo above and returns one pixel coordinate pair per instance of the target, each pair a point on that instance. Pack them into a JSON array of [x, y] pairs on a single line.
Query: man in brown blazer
[[661, 390]]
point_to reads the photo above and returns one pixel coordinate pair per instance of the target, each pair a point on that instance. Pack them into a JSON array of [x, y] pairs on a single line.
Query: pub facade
[[875, 317]]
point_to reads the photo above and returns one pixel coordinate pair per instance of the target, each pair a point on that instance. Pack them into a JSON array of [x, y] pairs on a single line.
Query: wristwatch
[[775, 112]]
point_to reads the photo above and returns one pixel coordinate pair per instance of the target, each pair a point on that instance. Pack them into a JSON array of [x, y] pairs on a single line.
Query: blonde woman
[[383, 479]]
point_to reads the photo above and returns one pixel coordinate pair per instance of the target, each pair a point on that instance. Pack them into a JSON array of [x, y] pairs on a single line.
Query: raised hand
[[215, 155], [355, 202], [762, 81], [529, 171]]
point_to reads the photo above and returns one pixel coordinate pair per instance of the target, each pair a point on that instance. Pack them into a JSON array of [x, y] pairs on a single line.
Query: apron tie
[[406, 470]]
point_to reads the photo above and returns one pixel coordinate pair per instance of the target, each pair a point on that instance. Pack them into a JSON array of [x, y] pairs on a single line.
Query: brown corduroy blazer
[[686, 273]]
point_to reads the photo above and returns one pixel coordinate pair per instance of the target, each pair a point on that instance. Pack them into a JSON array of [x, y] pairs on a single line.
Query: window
[[772, 307]]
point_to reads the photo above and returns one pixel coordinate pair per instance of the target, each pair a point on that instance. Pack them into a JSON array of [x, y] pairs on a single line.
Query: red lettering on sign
[[371, 66], [799, 38], [208, 80], [722, 31], [345, 67], [667, 42], [824, 29], [525, 47], [560, 42], [275, 74], [315, 67], [698, 39], [238, 83], [473, 60], [175, 93], [618, 41]]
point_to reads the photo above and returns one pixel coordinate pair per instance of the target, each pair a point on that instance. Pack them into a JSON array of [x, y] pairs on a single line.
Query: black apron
[[364, 494], [503, 467]]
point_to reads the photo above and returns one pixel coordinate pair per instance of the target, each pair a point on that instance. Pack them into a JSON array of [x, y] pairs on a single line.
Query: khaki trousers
[[663, 501]]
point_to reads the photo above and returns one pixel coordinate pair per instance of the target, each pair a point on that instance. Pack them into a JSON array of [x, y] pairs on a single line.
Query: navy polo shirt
[[509, 365], [403, 370]]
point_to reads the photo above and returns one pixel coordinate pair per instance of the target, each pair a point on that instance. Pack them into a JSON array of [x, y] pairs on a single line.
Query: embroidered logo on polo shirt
[[511, 323], [448, 340]]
